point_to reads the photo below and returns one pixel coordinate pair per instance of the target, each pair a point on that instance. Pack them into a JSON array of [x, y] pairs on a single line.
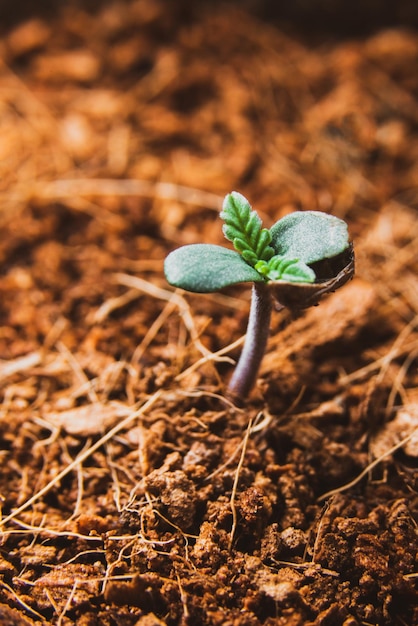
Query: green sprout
[[303, 256]]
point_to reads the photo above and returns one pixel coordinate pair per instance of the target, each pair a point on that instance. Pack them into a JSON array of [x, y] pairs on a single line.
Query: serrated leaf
[[263, 244], [309, 236], [240, 220], [231, 232], [243, 228], [253, 223], [290, 270], [250, 257], [203, 268], [240, 245], [298, 272]]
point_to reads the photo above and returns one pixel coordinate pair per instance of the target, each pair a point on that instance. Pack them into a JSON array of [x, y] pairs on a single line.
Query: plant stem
[[246, 371]]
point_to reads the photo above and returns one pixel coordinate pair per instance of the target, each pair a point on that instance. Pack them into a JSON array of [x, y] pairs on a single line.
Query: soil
[[133, 491]]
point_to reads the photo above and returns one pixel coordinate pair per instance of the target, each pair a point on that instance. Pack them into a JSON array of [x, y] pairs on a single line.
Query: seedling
[[303, 256]]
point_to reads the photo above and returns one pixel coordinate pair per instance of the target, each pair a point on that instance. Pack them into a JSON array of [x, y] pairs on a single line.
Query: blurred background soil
[[132, 491]]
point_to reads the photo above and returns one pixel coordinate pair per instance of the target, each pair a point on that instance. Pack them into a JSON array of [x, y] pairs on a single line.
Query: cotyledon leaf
[[309, 236], [203, 268]]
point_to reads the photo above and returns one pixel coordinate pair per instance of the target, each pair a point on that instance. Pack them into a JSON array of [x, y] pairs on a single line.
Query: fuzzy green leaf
[[285, 269], [203, 268], [309, 236], [250, 257], [243, 227]]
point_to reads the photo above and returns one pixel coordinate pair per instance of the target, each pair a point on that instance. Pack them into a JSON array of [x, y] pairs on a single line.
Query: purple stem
[[246, 371]]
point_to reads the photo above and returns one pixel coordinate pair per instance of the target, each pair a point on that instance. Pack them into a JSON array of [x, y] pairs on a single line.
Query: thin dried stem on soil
[[405, 332], [130, 543], [185, 535], [308, 565], [80, 479], [140, 535], [183, 598], [114, 469], [114, 564], [369, 468], [213, 356], [54, 430], [24, 474], [83, 553], [113, 304], [378, 364], [261, 424], [100, 213], [169, 296], [210, 394], [235, 484], [83, 457], [52, 601], [382, 364], [149, 337], [67, 606], [85, 382], [146, 507], [48, 532], [20, 601], [404, 257], [324, 511], [68, 188], [257, 427], [397, 385], [20, 364]]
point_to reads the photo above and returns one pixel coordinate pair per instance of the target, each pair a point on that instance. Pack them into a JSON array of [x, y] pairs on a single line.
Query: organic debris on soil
[[132, 490]]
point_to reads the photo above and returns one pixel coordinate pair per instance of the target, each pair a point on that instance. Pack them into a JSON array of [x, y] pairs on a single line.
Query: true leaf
[[243, 227], [285, 269]]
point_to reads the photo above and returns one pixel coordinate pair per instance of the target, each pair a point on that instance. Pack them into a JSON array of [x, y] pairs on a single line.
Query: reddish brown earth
[[132, 491]]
